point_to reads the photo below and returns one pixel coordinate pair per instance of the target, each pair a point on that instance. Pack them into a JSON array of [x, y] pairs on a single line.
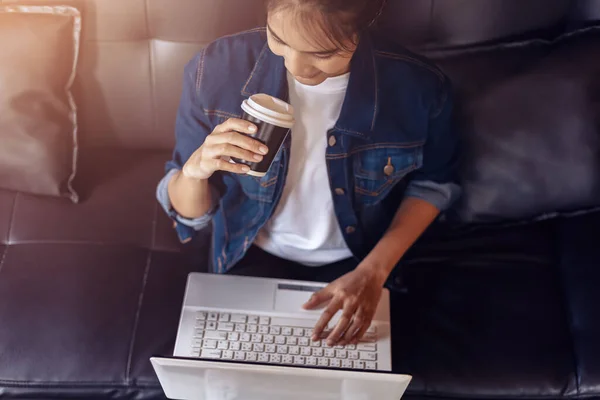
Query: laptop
[[249, 338]]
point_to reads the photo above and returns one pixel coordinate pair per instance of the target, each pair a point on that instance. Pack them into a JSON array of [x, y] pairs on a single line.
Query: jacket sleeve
[[191, 129], [437, 180]]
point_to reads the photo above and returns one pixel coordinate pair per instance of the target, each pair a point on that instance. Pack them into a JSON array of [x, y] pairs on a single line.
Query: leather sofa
[[500, 304]]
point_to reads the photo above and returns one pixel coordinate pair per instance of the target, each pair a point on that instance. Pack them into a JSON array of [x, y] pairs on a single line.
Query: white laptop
[[249, 338]]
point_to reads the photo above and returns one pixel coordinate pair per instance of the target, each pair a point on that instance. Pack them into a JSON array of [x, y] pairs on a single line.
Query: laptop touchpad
[[290, 297]]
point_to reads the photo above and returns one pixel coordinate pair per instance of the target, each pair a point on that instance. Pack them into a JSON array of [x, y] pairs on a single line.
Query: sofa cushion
[[580, 272], [38, 119], [118, 205], [483, 316], [530, 118]]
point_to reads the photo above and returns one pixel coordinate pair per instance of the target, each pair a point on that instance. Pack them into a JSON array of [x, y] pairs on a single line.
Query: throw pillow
[[38, 116]]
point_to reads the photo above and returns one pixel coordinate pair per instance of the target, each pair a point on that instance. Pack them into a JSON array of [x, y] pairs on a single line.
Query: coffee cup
[[274, 119]]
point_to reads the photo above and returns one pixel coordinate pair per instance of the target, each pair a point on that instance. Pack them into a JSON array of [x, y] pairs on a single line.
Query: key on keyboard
[[254, 338]]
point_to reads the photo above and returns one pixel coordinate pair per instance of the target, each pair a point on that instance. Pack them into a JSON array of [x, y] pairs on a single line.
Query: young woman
[[369, 164]]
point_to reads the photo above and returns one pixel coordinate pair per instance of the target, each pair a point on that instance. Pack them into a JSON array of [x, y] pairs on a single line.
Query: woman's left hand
[[357, 294]]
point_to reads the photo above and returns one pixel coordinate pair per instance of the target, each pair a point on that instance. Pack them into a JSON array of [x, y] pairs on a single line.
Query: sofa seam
[[137, 317], [91, 384], [152, 71], [568, 312], [3, 257], [11, 221], [431, 395], [154, 226]]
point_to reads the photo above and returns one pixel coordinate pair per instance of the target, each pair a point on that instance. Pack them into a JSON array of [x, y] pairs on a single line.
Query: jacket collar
[[359, 109]]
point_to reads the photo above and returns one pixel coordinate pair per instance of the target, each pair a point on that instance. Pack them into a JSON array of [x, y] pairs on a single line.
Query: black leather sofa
[[501, 302]]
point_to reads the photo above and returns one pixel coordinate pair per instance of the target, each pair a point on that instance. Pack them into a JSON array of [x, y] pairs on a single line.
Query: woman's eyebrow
[[320, 53]]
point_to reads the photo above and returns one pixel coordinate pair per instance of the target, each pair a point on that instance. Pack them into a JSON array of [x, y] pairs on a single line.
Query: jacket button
[[350, 230], [389, 168], [332, 141], [340, 191]]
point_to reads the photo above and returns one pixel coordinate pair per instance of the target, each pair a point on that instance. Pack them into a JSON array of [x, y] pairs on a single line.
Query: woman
[[368, 167]]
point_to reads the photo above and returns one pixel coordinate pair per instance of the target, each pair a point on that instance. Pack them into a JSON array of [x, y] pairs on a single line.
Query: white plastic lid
[[270, 109]]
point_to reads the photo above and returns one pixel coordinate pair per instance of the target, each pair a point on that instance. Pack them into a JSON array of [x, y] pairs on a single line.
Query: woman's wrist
[[190, 197], [375, 270]]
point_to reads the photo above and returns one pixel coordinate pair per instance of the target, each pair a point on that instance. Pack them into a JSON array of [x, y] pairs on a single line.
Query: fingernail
[[245, 168], [258, 157], [252, 128], [263, 149]]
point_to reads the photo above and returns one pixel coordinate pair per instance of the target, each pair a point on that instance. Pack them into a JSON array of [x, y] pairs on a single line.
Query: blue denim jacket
[[397, 112]]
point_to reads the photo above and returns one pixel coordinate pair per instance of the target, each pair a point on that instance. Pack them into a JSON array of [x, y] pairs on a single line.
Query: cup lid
[[270, 109]]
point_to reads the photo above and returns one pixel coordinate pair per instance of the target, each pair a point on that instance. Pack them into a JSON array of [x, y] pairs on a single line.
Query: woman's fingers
[[361, 332], [212, 165], [317, 299], [357, 323], [326, 316], [230, 150], [236, 124], [236, 132], [343, 324]]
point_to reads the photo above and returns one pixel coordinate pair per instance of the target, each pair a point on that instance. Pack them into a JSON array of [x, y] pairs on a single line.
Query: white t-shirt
[[304, 227]]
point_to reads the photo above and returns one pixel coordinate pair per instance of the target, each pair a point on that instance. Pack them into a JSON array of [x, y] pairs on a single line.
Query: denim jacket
[[394, 138]]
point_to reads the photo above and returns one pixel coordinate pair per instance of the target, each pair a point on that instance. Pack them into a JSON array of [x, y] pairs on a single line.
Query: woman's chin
[[310, 81]]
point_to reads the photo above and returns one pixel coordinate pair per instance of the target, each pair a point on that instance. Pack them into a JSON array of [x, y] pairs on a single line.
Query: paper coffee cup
[[274, 118]]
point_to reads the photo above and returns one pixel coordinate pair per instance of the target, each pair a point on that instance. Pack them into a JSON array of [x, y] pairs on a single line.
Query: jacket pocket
[[262, 189], [378, 170]]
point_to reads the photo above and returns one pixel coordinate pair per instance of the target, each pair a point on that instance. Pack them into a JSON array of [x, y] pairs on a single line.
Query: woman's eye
[[324, 56]]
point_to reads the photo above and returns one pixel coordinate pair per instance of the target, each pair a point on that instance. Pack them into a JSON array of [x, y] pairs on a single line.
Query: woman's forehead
[[301, 30]]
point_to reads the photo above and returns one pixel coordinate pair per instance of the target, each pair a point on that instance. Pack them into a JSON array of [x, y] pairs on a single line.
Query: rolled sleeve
[[437, 180], [196, 224], [441, 195], [192, 126]]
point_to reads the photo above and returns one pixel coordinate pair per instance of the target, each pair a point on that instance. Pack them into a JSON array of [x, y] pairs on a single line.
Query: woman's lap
[[259, 263]]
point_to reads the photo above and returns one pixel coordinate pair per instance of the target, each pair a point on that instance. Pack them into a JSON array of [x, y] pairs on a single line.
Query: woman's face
[[309, 56]]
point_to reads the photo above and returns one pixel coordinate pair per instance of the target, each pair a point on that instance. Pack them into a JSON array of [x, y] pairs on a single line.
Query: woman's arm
[[431, 189], [191, 198], [412, 219]]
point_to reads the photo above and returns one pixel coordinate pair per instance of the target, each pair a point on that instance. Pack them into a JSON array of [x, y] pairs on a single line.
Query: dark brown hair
[[342, 21]]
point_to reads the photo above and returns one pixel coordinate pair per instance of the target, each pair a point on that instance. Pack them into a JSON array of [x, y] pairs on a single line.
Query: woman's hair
[[342, 21]]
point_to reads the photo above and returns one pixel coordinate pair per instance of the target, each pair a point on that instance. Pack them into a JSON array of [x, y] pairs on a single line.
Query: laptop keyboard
[[261, 339]]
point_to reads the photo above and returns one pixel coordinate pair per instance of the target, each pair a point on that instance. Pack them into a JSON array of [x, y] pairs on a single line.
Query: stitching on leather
[[403, 57], [3, 257], [222, 114], [256, 66], [12, 220], [137, 316], [154, 226], [91, 384], [152, 71]]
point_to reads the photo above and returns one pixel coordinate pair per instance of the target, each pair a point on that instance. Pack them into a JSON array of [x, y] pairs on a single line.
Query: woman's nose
[[296, 64]]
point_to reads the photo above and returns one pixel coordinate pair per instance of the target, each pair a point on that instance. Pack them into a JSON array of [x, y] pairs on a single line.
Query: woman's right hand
[[227, 140]]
